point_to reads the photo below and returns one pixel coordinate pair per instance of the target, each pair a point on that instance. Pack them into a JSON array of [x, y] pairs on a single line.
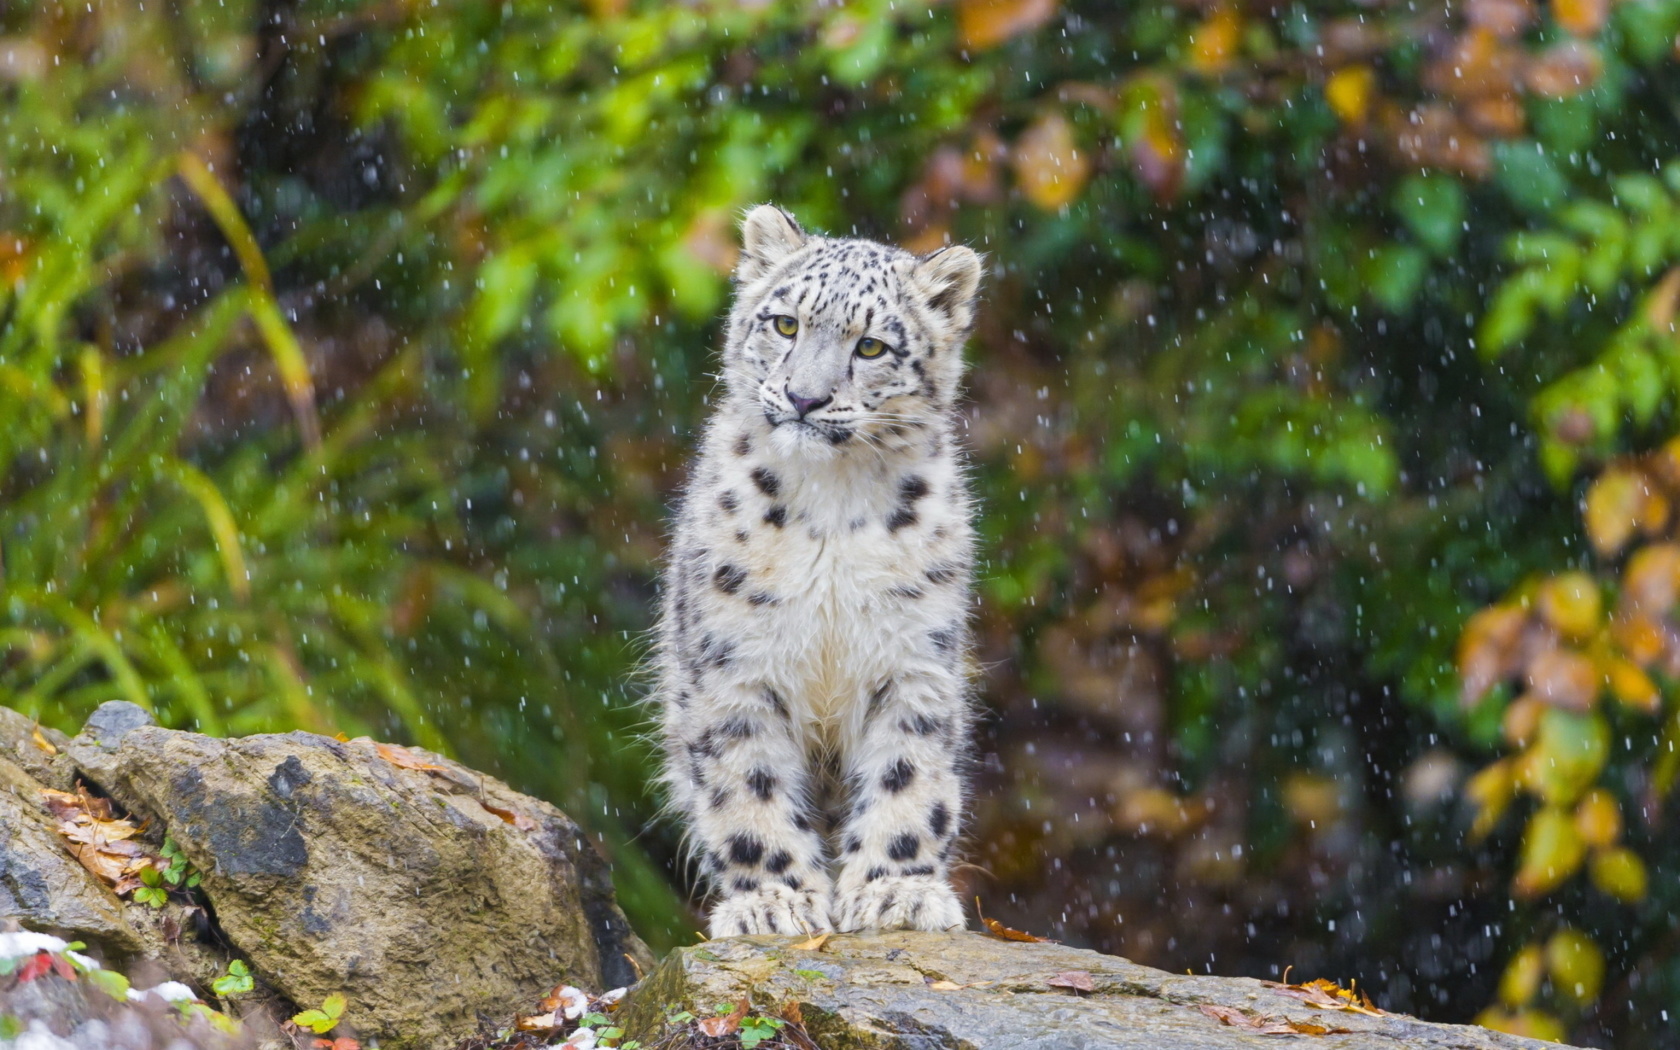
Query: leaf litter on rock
[[101, 841], [1004, 933], [1230, 1015]]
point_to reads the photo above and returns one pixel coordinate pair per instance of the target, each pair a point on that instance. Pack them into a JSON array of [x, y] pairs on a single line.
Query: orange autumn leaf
[[1598, 819], [1488, 649], [1631, 686], [1651, 580], [1328, 995], [514, 817], [987, 23], [1236, 1018], [1581, 17], [42, 742], [1050, 168], [1565, 70]]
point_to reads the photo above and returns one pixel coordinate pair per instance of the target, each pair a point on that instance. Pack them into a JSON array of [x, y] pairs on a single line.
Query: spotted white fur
[[812, 658]]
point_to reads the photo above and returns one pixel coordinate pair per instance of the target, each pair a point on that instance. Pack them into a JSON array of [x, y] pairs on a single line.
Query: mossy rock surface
[[966, 991]]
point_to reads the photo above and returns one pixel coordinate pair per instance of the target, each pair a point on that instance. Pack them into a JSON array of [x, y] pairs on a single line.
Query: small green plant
[[755, 1030], [679, 1017], [151, 890], [323, 1020], [180, 871], [237, 980]]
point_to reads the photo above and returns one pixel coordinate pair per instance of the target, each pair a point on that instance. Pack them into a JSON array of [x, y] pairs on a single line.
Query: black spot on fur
[[747, 850], [793, 882], [802, 821], [743, 445], [877, 699], [944, 639], [767, 482], [715, 652], [738, 727], [852, 844], [720, 798], [901, 517], [910, 593], [740, 535], [875, 873], [858, 523], [919, 869], [912, 488], [904, 847], [729, 501], [941, 574], [898, 777], [763, 784], [761, 598], [939, 821], [770, 921], [743, 885], [729, 578], [779, 861], [776, 515], [921, 725], [774, 699]]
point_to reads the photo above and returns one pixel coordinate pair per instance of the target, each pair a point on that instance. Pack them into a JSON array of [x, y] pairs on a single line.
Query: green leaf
[[1432, 207], [1527, 175], [1394, 274], [315, 1021], [334, 1005], [110, 982]]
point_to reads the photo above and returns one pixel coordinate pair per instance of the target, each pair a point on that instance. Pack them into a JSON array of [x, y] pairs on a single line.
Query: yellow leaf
[[1492, 790], [1570, 602], [1535, 1024], [1576, 964], [1651, 580], [987, 23], [1598, 819], [1551, 853], [1214, 42], [1630, 685], [1614, 505], [1522, 977], [1619, 873], [1568, 753], [1349, 92], [1049, 166], [815, 944]]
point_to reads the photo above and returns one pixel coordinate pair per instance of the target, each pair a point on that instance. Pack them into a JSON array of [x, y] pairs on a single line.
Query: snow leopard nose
[[805, 405]]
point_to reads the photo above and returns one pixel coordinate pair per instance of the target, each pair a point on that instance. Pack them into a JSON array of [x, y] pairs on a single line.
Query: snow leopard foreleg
[[750, 811], [906, 775]]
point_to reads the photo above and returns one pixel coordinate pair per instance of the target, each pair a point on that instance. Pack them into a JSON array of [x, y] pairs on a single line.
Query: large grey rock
[[431, 897], [965, 991], [41, 885]]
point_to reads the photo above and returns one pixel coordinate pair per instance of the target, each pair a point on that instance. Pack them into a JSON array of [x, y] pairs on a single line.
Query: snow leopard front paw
[[891, 902], [772, 908]]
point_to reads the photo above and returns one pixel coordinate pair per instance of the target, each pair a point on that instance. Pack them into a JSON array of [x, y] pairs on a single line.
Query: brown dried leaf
[[728, 1024], [514, 817], [1078, 980], [1564, 679], [1050, 168], [815, 944], [1328, 995], [1581, 17], [1488, 649], [1002, 932], [49, 747], [403, 758], [546, 1022], [944, 986], [1264, 1025]]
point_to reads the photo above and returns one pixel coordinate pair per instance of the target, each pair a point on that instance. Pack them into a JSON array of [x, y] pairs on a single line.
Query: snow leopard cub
[[813, 646]]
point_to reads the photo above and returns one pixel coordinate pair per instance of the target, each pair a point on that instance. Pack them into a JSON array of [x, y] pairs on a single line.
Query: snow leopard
[[812, 656]]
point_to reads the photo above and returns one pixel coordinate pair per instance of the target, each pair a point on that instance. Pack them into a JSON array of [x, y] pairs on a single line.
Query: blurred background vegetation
[[1322, 406]]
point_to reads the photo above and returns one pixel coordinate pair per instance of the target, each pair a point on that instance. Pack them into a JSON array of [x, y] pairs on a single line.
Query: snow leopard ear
[[950, 278], [768, 235]]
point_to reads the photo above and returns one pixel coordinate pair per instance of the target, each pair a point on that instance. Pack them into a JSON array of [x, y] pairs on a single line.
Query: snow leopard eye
[[785, 325], [868, 347]]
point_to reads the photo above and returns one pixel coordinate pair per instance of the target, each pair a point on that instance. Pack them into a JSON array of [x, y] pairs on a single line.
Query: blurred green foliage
[[349, 351]]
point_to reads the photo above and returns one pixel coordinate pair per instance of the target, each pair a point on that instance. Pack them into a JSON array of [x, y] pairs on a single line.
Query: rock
[[928, 991], [41, 884], [113, 720], [19, 744], [434, 897]]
